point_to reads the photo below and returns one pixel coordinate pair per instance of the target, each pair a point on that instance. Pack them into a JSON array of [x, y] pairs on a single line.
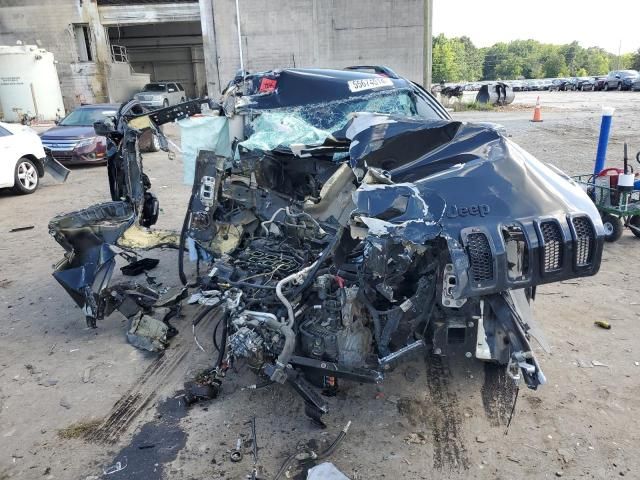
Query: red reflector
[[267, 85]]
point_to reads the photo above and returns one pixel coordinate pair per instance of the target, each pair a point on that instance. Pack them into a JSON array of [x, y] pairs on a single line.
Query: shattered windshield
[[312, 124]]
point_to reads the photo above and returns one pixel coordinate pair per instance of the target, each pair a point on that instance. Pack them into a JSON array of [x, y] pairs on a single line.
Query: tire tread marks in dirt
[[137, 397], [449, 451], [498, 394]]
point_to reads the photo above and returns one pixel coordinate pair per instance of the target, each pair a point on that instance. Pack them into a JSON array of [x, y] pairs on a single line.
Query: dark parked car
[[620, 79], [585, 84], [74, 142], [598, 82], [635, 86], [559, 84], [534, 86]]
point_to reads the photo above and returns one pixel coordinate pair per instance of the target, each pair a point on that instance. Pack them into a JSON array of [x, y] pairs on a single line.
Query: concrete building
[[105, 49]]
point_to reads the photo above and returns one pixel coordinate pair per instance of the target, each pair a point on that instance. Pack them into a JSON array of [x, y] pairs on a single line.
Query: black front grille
[[552, 236], [62, 156], [585, 240], [480, 257]]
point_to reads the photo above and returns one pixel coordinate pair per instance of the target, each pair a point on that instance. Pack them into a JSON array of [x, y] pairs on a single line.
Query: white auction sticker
[[369, 83]]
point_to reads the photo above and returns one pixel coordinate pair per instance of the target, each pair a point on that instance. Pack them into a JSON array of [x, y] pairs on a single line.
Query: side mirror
[[57, 122], [103, 128]]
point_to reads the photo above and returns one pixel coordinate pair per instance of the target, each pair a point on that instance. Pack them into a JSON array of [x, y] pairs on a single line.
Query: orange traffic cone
[[537, 112]]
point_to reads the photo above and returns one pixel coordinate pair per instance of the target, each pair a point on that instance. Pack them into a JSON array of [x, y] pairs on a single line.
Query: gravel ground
[[434, 418]]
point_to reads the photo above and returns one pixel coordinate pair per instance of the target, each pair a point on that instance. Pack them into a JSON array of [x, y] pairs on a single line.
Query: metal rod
[[239, 38]]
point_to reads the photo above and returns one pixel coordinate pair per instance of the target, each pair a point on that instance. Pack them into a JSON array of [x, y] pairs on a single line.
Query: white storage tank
[[29, 84]]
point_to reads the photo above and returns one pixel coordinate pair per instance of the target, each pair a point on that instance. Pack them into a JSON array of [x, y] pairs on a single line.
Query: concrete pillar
[[428, 44], [210, 48], [199, 74], [101, 47]]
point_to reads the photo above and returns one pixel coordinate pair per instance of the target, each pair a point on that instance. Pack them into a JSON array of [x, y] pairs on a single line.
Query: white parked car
[[161, 95], [22, 158]]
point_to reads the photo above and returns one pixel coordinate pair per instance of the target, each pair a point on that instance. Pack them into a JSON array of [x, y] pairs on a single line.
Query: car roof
[[300, 86], [15, 128]]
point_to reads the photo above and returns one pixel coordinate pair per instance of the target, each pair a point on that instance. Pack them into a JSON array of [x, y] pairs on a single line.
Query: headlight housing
[[85, 143]]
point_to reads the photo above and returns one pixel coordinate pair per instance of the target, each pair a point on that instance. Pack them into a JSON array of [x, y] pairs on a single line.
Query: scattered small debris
[[65, 403], [481, 439], [5, 283], [583, 363], [565, 454], [603, 324], [416, 438], [47, 471], [49, 382], [559, 474], [116, 467], [596, 363], [86, 375], [21, 229]]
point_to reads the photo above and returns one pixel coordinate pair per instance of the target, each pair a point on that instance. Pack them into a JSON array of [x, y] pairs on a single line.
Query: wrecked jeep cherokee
[[345, 221]]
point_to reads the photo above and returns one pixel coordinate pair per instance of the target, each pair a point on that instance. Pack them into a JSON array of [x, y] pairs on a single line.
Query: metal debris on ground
[[137, 267], [603, 324], [21, 229], [148, 333], [325, 471], [116, 467]]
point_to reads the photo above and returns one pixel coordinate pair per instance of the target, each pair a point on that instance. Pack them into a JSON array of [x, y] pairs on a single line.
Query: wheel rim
[[608, 228], [27, 175]]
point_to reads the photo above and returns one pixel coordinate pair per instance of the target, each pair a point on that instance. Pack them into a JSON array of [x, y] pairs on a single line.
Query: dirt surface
[[433, 418]]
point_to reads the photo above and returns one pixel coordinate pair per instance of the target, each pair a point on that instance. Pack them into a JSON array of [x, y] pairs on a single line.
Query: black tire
[[619, 86], [612, 227], [165, 104], [605, 87], [634, 224], [26, 177]]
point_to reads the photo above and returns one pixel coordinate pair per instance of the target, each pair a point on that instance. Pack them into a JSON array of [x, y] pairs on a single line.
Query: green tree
[[636, 60], [555, 66]]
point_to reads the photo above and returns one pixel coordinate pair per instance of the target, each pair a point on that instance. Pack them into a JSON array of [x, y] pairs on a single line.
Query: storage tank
[[29, 84]]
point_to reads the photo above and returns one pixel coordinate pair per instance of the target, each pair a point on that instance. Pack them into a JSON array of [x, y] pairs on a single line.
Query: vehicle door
[[183, 95], [173, 93], [8, 158]]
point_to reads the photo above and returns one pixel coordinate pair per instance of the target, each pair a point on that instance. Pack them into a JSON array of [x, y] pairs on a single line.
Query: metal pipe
[[283, 299], [603, 141], [239, 38]]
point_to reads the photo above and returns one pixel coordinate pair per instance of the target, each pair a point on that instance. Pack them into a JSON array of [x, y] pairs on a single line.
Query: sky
[[603, 23]]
